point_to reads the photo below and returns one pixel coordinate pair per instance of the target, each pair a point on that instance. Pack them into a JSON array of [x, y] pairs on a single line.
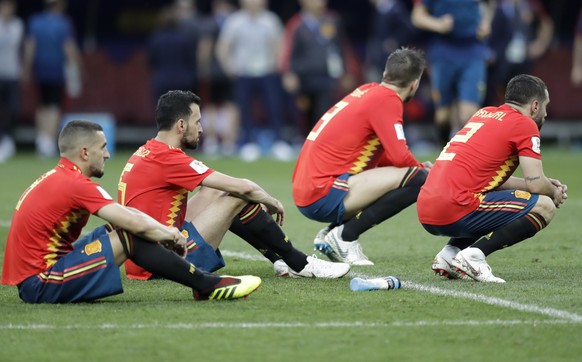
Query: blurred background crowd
[[266, 70]]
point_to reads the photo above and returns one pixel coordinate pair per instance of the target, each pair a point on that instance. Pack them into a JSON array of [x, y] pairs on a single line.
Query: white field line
[[550, 312], [4, 223], [251, 325]]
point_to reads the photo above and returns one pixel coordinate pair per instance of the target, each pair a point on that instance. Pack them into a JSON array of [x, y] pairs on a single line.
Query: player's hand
[[427, 165], [291, 82], [484, 30], [445, 24], [275, 208], [177, 242], [559, 197], [559, 185]]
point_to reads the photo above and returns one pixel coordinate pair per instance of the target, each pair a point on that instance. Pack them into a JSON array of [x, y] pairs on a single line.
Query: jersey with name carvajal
[[362, 131], [478, 159], [48, 219]]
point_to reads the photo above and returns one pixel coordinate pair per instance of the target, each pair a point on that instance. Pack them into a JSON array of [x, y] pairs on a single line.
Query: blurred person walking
[[576, 74], [521, 32], [391, 29], [11, 35], [220, 115], [249, 49], [457, 56], [316, 60], [172, 50], [50, 48]]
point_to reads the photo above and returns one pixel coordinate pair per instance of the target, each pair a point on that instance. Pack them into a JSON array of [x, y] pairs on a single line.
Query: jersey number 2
[[471, 127]]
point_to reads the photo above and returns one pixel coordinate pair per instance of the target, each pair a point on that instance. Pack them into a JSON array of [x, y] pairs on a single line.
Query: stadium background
[[112, 36]]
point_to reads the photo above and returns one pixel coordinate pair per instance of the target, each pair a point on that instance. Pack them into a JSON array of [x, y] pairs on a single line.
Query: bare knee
[[545, 207]]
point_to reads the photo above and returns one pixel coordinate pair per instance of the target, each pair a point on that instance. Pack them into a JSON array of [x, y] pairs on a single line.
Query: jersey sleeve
[[91, 196], [527, 138], [387, 123], [184, 171]]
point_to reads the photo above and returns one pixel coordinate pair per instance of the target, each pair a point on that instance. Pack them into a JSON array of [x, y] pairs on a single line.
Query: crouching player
[[470, 195]]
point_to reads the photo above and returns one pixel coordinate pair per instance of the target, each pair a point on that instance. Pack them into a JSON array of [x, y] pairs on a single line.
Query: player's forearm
[[540, 185], [422, 19], [513, 183], [147, 227], [153, 230], [254, 193], [535, 184]]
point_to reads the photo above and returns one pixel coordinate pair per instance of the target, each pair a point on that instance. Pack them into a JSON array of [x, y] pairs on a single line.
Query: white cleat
[[471, 262], [442, 263], [319, 241], [343, 251], [317, 268], [281, 268]]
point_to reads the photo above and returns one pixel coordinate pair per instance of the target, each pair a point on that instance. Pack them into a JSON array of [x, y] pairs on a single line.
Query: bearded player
[[471, 195], [159, 175], [355, 169]]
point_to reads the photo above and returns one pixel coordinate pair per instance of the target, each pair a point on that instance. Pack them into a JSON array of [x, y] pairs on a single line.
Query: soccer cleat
[[230, 288], [471, 262], [343, 251], [319, 241], [281, 268], [442, 262], [317, 268]]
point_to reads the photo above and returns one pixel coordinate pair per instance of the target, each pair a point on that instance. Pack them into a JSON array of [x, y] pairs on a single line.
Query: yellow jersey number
[[121, 186]]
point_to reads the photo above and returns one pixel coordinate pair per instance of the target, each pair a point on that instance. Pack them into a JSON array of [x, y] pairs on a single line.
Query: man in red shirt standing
[[159, 175], [49, 264], [355, 169], [470, 194]]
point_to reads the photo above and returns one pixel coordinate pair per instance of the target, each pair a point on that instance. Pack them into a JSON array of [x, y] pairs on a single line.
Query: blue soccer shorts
[[497, 209], [85, 274], [463, 80], [329, 208], [200, 253]]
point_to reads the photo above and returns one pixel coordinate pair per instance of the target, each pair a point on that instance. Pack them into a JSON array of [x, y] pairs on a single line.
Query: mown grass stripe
[[253, 325]]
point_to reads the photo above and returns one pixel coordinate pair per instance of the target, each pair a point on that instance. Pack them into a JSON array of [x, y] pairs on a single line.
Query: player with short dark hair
[[47, 261], [355, 169], [470, 194], [159, 175]]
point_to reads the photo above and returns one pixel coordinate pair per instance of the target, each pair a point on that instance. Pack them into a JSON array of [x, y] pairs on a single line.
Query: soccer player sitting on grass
[[159, 175], [355, 169], [49, 264], [470, 194]]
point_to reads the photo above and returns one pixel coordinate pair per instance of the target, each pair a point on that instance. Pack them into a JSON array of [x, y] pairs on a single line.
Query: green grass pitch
[[536, 316]]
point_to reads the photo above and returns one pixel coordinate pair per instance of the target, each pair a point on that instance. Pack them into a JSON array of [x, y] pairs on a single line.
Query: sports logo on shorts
[[185, 233], [522, 195], [93, 248]]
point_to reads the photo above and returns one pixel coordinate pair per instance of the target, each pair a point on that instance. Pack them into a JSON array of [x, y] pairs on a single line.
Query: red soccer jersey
[[48, 218], [362, 131], [156, 180], [481, 157]]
